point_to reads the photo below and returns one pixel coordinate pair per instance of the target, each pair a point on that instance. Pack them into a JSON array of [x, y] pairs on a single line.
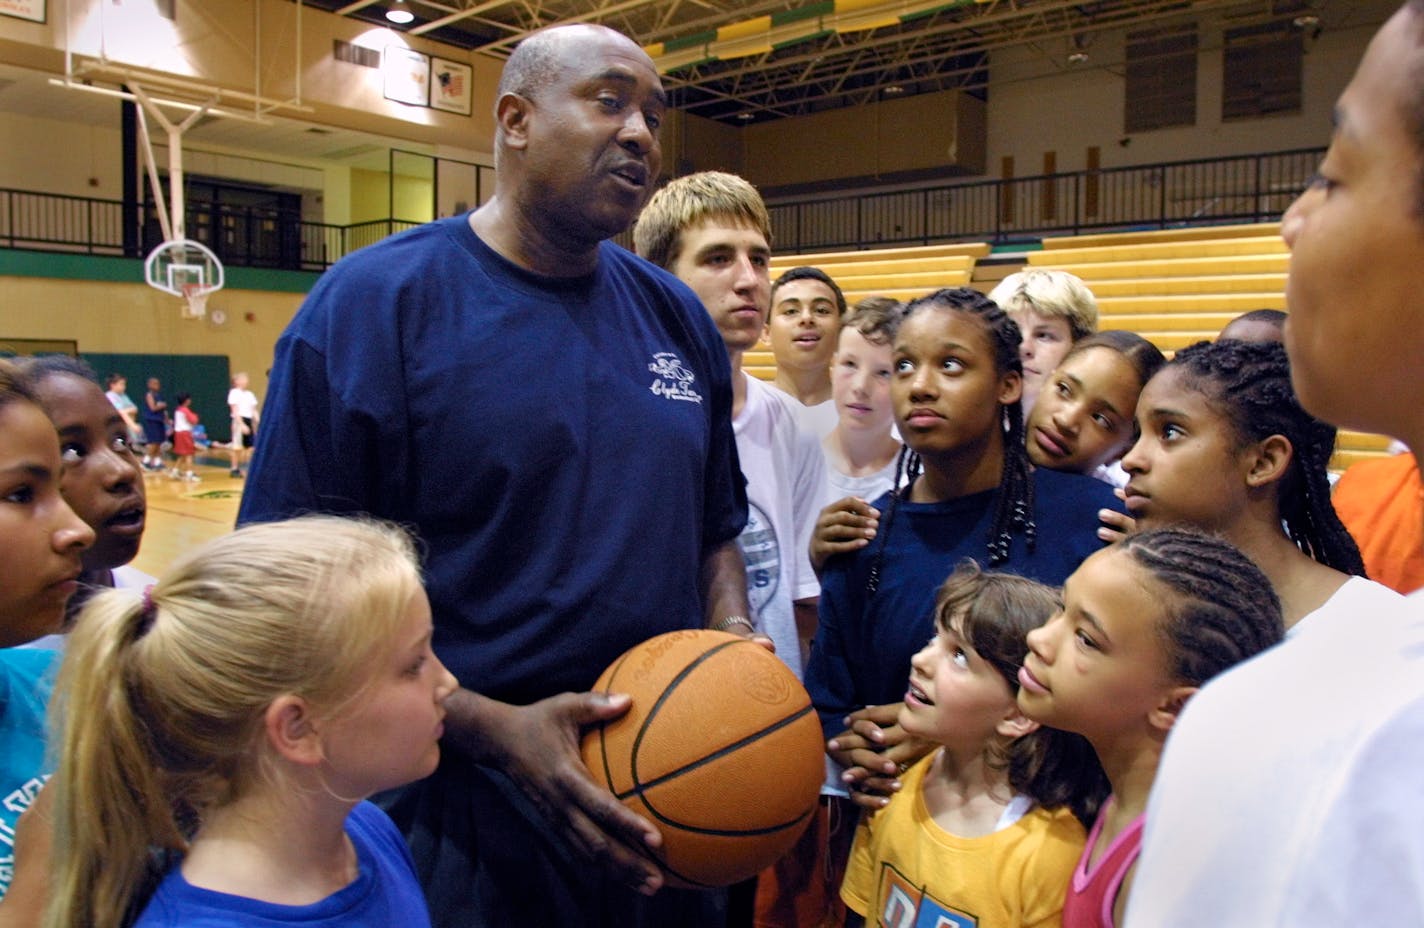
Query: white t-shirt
[[819, 419], [244, 400], [1291, 791], [785, 473], [869, 488]]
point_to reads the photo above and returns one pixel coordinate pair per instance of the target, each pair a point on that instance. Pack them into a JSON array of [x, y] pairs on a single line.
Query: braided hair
[[1013, 510], [1222, 609], [1250, 383]]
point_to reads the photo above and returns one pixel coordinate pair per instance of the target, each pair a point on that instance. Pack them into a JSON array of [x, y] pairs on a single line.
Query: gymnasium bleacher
[[1173, 286]]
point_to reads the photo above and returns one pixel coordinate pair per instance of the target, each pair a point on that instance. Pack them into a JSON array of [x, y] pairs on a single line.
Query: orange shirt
[[1382, 504]]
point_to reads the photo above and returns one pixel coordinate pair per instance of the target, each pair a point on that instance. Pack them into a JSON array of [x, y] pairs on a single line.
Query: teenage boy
[[806, 312], [712, 231]]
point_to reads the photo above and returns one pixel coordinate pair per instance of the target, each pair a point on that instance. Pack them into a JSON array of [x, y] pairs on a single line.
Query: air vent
[[355, 54]]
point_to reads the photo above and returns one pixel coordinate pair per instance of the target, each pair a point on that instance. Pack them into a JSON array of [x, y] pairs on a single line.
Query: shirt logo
[[763, 556], [672, 379]]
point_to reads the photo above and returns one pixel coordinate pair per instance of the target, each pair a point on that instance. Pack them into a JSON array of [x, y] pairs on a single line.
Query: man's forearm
[[724, 584]]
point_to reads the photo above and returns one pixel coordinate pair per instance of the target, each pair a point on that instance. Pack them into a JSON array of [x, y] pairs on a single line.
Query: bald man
[[552, 415]]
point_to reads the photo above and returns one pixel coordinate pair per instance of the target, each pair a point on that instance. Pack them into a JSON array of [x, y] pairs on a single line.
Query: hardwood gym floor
[[182, 515]]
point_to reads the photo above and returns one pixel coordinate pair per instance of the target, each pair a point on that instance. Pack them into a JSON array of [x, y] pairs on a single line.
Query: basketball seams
[[663, 697], [612, 674], [639, 787]]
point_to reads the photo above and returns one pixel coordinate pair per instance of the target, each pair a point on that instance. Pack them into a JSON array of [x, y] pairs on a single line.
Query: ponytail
[[113, 801], [160, 700]]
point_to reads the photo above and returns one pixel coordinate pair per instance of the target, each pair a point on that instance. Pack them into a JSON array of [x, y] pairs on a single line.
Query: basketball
[[720, 749]]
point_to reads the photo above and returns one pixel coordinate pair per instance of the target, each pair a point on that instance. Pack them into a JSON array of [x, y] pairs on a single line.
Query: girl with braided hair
[[1227, 448], [1144, 624], [965, 489]]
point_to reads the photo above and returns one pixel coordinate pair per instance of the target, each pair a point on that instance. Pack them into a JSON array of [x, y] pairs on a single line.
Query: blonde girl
[[1144, 625], [236, 714]]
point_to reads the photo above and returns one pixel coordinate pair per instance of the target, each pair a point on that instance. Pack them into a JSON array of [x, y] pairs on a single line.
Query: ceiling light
[[1078, 58], [399, 13], [745, 117], [892, 90]]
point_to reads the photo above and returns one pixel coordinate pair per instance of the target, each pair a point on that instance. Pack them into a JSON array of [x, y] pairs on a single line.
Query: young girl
[[970, 492], [1144, 624], [154, 416], [237, 713], [43, 541], [1083, 420], [102, 480], [117, 394], [983, 824], [184, 419], [1226, 447]]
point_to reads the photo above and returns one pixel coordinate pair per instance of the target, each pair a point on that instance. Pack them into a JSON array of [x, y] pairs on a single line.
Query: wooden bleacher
[[1173, 286]]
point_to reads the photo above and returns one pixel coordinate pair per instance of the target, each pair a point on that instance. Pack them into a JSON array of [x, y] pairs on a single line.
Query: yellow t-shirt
[[906, 870]]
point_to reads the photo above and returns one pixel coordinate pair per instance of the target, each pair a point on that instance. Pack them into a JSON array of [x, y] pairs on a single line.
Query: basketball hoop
[[195, 299]]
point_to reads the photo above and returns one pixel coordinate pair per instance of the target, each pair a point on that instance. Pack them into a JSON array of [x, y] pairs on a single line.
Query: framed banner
[[407, 75], [451, 86], [33, 10]]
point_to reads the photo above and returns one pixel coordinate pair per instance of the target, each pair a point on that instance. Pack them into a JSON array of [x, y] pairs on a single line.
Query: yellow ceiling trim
[[757, 36]]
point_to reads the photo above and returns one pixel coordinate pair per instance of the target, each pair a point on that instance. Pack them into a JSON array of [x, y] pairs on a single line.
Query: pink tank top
[[1089, 903]]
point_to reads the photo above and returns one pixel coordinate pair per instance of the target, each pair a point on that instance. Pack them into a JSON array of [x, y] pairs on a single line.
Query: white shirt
[[1291, 791]]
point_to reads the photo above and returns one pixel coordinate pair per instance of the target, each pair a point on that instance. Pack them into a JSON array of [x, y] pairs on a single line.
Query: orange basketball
[[720, 749]]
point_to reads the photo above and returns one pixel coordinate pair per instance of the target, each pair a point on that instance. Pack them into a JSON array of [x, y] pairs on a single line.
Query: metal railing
[[1251, 188], [1215, 191]]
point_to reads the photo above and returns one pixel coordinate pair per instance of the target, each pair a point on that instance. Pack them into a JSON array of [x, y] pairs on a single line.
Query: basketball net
[[195, 299]]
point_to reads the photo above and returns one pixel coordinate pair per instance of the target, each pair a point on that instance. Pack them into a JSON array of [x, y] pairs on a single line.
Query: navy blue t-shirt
[[861, 654], [562, 446]]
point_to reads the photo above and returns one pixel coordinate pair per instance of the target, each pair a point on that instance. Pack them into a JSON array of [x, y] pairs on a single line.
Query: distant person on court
[[552, 416], [1381, 503], [1289, 790], [985, 823], [154, 416], [237, 786], [712, 230], [117, 393], [806, 313], [1143, 625], [246, 411], [184, 421], [44, 541], [1256, 325], [102, 480], [1053, 310]]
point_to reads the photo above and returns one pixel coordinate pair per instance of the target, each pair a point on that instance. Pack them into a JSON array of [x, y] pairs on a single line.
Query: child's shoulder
[[1073, 489], [1050, 832]]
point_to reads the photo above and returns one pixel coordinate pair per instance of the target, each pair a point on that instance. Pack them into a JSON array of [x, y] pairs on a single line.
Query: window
[[1260, 71], [1161, 79]]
